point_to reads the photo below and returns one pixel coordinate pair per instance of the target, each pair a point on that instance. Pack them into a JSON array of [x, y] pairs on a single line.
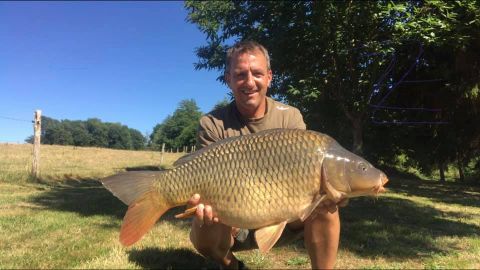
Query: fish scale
[[252, 181]]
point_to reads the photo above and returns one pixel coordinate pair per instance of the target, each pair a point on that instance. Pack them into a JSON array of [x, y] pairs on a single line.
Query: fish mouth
[[384, 179], [371, 191], [380, 188]]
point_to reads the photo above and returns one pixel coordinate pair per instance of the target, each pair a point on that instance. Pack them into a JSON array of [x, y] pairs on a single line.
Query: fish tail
[[145, 204], [141, 216]]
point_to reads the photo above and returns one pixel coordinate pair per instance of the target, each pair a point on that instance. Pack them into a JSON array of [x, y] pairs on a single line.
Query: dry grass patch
[[60, 162]]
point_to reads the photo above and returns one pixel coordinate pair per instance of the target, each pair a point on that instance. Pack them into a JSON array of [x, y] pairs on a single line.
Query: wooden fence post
[[163, 152], [37, 129]]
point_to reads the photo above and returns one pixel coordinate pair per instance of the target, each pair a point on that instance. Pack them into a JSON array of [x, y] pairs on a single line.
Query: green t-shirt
[[228, 122]]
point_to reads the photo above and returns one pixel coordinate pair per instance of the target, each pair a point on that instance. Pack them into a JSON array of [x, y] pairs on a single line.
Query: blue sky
[[127, 62]]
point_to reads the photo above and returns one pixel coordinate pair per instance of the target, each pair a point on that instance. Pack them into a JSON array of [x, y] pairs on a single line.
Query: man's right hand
[[204, 213]]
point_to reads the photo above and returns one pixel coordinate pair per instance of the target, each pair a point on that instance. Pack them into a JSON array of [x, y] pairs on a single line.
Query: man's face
[[249, 79]]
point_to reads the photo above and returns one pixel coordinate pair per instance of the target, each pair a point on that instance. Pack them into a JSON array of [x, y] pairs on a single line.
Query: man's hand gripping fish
[[258, 181]]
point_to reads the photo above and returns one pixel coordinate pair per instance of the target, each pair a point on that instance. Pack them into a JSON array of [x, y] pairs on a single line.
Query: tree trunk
[[441, 167], [357, 136], [357, 130], [460, 170]]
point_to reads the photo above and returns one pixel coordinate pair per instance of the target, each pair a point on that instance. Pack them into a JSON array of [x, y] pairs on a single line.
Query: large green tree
[[119, 136], [57, 135], [323, 52], [138, 140], [178, 129], [345, 64], [98, 131], [80, 134]]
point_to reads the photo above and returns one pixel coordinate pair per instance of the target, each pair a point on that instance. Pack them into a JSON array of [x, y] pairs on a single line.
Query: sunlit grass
[[60, 162], [70, 221]]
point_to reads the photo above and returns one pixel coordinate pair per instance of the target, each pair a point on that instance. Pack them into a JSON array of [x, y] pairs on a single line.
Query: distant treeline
[[175, 132], [92, 132]]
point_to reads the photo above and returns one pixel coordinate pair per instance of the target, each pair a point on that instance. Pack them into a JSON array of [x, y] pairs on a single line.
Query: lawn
[[69, 220]]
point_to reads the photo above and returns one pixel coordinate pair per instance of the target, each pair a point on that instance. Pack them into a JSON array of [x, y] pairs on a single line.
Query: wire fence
[[15, 119]]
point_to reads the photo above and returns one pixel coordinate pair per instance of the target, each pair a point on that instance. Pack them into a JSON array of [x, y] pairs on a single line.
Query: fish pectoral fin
[[141, 216], [266, 237], [310, 208], [332, 194]]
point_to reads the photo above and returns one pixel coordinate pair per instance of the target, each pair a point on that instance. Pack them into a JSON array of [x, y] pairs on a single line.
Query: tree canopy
[[387, 78], [179, 129], [92, 132]]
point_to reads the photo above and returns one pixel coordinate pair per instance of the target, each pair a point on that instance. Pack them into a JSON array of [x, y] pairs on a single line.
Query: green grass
[[71, 221], [298, 261]]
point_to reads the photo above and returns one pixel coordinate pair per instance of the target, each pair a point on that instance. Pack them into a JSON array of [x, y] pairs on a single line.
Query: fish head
[[347, 175]]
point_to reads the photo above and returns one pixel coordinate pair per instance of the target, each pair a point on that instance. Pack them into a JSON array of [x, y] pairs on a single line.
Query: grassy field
[[70, 221]]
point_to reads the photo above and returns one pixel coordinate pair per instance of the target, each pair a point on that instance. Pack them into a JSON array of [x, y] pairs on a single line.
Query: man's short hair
[[243, 47]]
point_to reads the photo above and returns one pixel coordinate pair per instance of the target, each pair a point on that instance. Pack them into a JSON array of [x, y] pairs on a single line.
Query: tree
[[339, 61], [119, 136], [179, 129], [138, 141], [80, 134], [328, 53], [58, 135], [92, 132], [98, 131], [29, 139], [221, 104], [47, 124]]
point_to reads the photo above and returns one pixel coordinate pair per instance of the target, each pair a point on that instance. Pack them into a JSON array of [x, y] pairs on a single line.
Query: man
[[248, 75]]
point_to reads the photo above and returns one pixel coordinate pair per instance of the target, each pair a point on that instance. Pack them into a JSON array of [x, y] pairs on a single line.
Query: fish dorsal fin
[[316, 201], [266, 237], [332, 194]]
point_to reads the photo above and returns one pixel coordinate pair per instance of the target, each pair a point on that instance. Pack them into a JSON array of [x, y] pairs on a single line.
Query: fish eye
[[362, 166]]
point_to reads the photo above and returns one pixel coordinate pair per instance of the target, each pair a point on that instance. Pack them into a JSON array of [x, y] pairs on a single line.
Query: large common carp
[[259, 181]]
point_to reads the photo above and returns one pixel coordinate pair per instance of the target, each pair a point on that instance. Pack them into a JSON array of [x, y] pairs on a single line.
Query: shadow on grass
[[443, 192], [145, 168], [156, 258], [398, 228], [87, 197], [448, 192]]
